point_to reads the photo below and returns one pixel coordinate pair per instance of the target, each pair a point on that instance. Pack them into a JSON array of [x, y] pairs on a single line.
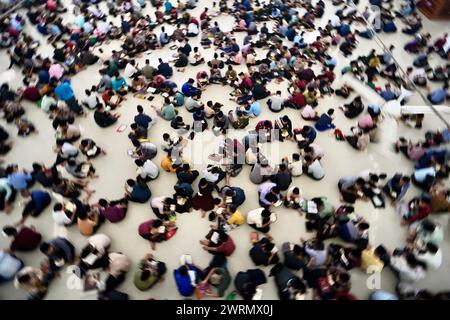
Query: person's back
[[183, 279], [26, 239]]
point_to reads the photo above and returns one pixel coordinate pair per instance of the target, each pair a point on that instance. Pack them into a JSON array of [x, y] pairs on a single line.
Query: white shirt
[[158, 203], [316, 170], [255, 217], [335, 21], [318, 151], [296, 168], [432, 260], [320, 255], [192, 28], [9, 265], [211, 177], [69, 150], [91, 101], [60, 218], [100, 242], [149, 169], [129, 70]]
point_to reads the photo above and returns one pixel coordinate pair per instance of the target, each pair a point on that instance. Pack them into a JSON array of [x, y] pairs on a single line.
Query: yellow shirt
[[370, 262], [166, 164], [236, 218]]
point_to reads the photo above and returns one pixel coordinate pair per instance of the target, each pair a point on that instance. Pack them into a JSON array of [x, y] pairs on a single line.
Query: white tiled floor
[[116, 167]]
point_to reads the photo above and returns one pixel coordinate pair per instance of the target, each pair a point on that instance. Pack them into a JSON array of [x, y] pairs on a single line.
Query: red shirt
[[31, 94], [298, 99], [227, 248], [246, 83], [26, 240], [422, 213], [203, 15]]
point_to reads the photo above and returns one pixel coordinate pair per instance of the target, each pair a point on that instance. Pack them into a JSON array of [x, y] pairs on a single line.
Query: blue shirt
[[117, 84], [324, 123], [388, 95], [44, 77], [40, 199], [64, 91], [438, 96], [255, 109], [421, 174], [331, 62], [183, 282], [142, 120], [189, 90], [19, 180]]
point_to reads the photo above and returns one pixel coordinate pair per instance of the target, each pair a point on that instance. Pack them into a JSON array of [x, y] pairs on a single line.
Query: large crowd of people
[[338, 236]]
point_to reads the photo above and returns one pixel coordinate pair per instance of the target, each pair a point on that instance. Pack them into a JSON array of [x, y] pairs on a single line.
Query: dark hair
[[428, 225], [344, 277], [131, 182], [157, 223], [363, 226], [145, 275], [266, 213], [9, 230], [413, 262], [139, 162], [44, 247], [431, 247], [102, 202], [140, 109], [23, 278], [57, 207], [296, 190], [183, 270]]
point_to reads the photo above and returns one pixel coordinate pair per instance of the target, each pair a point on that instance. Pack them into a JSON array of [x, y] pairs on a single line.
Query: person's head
[[157, 223], [191, 81], [131, 182], [37, 167], [166, 136], [275, 190], [46, 248], [136, 143], [282, 167], [145, 275], [266, 213], [82, 215], [296, 157], [140, 109], [139, 162], [330, 112], [103, 202], [9, 231], [405, 180], [363, 226], [183, 270], [318, 245], [413, 262], [432, 248], [343, 277], [428, 226], [23, 278], [296, 191]]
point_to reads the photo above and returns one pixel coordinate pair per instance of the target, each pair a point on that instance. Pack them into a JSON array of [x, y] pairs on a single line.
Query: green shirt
[[168, 112], [224, 283], [327, 209], [150, 281]]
